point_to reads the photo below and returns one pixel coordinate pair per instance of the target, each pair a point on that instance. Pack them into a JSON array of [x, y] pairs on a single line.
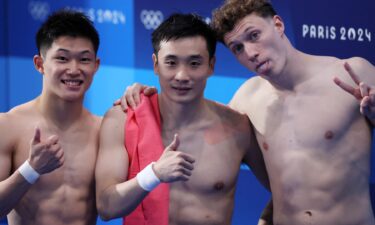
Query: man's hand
[[363, 92], [174, 165], [45, 156], [132, 95]]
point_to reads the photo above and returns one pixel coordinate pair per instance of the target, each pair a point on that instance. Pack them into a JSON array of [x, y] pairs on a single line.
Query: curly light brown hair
[[226, 17]]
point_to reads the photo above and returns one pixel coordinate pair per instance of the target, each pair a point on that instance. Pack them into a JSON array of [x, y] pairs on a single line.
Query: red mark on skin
[[218, 133], [329, 135], [265, 146]]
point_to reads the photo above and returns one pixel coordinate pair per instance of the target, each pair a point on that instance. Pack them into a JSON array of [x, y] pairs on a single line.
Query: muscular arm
[[115, 196], [12, 186], [254, 159]]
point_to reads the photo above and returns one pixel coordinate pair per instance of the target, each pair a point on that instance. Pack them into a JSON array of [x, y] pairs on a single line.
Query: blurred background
[[335, 27]]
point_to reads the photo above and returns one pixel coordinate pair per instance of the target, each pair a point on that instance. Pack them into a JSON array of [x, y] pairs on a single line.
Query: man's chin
[[264, 75]]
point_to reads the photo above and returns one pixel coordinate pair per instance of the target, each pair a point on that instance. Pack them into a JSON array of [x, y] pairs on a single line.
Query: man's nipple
[[329, 135]]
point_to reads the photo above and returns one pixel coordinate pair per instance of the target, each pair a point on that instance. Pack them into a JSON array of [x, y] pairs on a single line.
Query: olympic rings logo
[[151, 19], [39, 10]]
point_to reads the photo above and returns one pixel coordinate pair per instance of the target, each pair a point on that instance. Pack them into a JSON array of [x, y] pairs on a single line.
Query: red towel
[[144, 145]]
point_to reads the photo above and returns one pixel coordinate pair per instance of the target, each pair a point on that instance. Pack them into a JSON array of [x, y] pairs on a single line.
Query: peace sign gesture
[[363, 92]]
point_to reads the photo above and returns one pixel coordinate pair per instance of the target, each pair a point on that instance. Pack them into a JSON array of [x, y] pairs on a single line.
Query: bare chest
[[307, 120], [80, 149], [217, 161]]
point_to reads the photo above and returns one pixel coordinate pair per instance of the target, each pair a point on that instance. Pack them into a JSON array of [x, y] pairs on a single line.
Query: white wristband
[[147, 179], [28, 172]]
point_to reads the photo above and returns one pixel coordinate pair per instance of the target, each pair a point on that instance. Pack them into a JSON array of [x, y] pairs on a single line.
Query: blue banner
[[113, 19], [336, 28], [3, 19]]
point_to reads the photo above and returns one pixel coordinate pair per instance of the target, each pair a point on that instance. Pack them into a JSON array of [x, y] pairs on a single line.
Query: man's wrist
[[147, 178], [28, 172]]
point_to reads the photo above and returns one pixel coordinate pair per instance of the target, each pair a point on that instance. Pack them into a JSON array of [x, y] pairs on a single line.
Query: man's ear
[[212, 64], [97, 64], [38, 63], [155, 62], [279, 24]]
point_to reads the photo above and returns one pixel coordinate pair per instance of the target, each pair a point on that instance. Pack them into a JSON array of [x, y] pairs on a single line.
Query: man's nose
[[251, 52], [74, 68], [182, 74]]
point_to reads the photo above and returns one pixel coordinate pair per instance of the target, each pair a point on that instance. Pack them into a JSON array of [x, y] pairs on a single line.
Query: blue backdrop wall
[[334, 27]]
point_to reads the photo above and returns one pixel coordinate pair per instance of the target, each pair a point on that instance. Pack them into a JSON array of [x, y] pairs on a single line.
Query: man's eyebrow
[[243, 33], [170, 57], [195, 57], [67, 51]]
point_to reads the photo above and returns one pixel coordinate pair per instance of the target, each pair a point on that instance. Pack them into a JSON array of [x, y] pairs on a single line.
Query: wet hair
[[231, 12], [66, 22], [181, 26]]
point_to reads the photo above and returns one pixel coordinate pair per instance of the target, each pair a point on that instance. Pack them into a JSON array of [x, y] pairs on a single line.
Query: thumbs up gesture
[[45, 156], [174, 165]]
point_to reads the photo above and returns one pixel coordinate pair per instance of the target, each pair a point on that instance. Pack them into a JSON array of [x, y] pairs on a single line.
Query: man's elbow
[[105, 213], [105, 217]]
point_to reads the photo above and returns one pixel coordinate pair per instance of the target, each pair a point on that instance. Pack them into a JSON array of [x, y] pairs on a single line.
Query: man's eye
[[254, 36], [237, 49], [86, 59], [61, 58], [170, 63], [195, 63]]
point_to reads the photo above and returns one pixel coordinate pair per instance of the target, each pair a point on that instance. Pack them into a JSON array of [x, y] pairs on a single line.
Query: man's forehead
[[58, 48], [194, 43], [72, 43], [250, 21]]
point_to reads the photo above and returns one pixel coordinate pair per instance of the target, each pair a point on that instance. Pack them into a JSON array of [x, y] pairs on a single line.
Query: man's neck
[[59, 112], [176, 116], [294, 73]]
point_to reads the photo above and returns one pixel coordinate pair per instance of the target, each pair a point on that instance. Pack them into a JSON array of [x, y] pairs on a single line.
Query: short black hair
[[66, 22], [180, 25]]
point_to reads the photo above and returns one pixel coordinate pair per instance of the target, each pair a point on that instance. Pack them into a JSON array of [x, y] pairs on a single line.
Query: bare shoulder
[[115, 114], [13, 122], [231, 117], [250, 86], [26, 109], [7, 122], [245, 94], [362, 68], [358, 62], [18, 115], [361, 65], [93, 121]]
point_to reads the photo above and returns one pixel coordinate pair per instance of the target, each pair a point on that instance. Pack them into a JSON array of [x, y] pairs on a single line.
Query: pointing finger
[[346, 87], [351, 73]]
